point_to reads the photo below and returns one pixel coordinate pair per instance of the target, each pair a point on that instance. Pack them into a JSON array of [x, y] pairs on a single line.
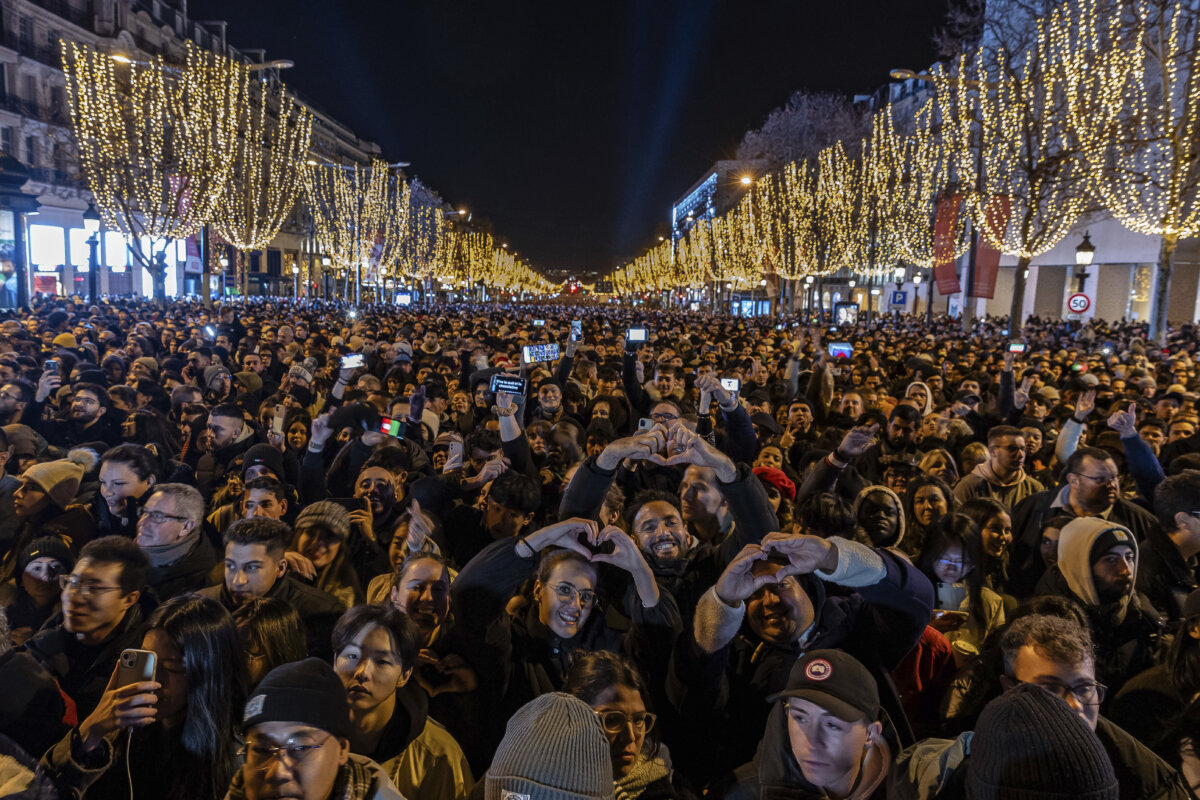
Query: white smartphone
[[277, 420], [136, 666]]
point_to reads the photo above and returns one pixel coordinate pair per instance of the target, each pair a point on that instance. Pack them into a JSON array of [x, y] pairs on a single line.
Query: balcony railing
[[45, 53], [76, 15], [54, 177]]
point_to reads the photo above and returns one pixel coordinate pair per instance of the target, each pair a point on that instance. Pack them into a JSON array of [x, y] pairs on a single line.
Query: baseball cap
[[966, 396], [836, 682]]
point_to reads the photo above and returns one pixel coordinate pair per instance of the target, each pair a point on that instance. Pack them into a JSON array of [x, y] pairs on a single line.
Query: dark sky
[[573, 125]]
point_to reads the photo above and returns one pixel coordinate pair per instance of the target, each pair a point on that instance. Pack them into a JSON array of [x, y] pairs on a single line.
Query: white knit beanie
[[553, 749]]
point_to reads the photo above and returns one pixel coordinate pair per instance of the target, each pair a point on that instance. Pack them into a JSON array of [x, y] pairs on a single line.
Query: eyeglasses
[[1101, 479], [158, 517], [1088, 693], [567, 593], [260, 755], [73, 583], [663, 416], [618, 721]]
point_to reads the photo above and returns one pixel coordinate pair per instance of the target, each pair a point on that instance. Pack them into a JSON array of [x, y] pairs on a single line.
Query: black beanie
[[46, 547], [1030, 745], [308, 692], [264, 455]]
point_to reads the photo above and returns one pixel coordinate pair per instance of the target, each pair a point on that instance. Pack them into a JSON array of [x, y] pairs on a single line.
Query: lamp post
[[808, 283], [224, 262], [295, 282], [91, 224], [1084, 253]]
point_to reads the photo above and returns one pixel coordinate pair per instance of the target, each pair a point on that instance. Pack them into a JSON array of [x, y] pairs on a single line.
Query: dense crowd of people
[[306, 550]]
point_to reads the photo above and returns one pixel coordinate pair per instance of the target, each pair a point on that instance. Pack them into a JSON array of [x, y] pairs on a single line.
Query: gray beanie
[[553, 749]]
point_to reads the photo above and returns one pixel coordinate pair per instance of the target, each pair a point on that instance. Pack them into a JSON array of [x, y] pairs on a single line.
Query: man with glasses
[[87, 419], [1097, 568], [169, 531], [101, 616], [1053, 653], [15, 395], [1002, 477], [297, 726], [1092, 490]]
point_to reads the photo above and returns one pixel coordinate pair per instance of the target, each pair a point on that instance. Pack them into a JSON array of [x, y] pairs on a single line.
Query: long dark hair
[[151, 427], [273, 628], [202, 630], [980, 510], [1183, 660], [961, 530], [915, 533]]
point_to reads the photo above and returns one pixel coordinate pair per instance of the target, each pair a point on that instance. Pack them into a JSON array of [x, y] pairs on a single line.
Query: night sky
[[572, 125]]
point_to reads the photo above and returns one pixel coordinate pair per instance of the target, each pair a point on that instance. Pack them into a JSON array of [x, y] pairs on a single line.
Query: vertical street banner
[[945, 220], [987, 257]]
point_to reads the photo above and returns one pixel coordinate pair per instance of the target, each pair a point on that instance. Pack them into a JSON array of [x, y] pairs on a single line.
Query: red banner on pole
[[987, 257], [945, 220]]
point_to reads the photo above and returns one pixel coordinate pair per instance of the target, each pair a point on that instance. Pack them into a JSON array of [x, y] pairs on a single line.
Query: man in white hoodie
[[1097, 568], [1002, 477]]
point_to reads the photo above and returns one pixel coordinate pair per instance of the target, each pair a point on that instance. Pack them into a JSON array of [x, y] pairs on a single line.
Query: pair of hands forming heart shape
[[668, 447]]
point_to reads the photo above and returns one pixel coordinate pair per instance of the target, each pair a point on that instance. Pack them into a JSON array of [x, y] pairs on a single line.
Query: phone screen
[[1016, 347], [509, 384], [51, 366], [392, 427], [352, 361], [841, 349], [731, 384], [537, 353], [635, 335], [576, 330], [539, 322]]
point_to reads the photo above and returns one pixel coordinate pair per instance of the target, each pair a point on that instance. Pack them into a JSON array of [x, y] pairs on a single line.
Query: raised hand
[[1125, 422], [48, 384], [420, 527], [857, 441], [686, 447], [1085, 405], [711, 384], [321, 429], [738, 582], [566, 533], [788, 438], [804, 553], [299, 564], [1021, 396], [639, 447], [364, 518]]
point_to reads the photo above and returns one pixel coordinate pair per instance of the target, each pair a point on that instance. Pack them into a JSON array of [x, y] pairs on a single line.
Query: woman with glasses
[[965, 611], [523, 645], [641, 765], [173, 736]]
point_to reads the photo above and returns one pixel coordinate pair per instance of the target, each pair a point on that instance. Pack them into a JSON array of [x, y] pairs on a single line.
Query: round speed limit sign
[[1078, 303]]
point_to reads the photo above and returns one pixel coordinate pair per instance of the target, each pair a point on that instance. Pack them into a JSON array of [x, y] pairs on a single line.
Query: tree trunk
[[1016, 319], [1162, 289]]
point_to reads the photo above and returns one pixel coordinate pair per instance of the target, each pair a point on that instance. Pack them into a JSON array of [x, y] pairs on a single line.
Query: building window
[[31, 151], [47, 247], [3, 80], [8, 140], [116, 252], [26, 29]]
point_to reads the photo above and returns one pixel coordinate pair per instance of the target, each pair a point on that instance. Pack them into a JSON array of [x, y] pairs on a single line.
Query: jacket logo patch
[[818, 670]]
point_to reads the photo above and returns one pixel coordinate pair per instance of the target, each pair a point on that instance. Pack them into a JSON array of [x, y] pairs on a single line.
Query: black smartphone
[[509, 384], [538, 353], [51, 366]]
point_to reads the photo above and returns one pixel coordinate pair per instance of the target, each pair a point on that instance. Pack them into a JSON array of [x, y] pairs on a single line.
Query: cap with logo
[[836, 682]]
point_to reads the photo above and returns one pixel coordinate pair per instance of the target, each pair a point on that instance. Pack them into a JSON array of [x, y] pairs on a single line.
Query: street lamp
[[746, 180], [1084, 253], [91, 224], [295, 282]]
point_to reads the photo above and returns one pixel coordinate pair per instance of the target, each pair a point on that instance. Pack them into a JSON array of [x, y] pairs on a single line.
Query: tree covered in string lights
[[156, 142], [1003, 116], [1133, 73]]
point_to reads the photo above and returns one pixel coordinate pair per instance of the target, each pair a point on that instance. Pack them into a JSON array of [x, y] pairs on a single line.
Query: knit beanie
[[308, 692], [214, 372], [329, 515], [59, 479], [264, 455], [250, 380], [1030, 745], [46, 547], [149, 363], [553, 749]]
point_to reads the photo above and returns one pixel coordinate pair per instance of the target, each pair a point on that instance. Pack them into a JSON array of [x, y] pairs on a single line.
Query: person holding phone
[[965, 611], [176, 733]]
